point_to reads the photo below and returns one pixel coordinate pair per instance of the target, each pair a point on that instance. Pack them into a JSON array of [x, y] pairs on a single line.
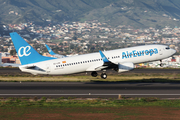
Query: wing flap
[[96, 67]]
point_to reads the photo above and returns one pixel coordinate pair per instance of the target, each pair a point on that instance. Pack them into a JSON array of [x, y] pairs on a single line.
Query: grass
[[73, 108], [87, 78], [94, 102]]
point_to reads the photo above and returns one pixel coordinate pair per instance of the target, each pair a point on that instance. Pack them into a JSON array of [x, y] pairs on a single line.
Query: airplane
[[121, 60], [52, 53]]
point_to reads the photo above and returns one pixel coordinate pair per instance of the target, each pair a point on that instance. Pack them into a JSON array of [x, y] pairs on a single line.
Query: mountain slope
[[137, 13], [41, 10]]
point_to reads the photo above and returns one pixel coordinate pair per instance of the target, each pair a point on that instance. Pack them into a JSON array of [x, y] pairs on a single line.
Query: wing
[[107, 64]]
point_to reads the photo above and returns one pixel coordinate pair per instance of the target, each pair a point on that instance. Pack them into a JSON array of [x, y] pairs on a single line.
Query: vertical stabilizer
[[26, 53]]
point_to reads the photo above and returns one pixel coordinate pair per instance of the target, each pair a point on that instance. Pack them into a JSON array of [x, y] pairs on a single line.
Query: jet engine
[[124, 67]]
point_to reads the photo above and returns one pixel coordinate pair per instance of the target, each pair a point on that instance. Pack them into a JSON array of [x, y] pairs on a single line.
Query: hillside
[[14, 11], [137, 13]]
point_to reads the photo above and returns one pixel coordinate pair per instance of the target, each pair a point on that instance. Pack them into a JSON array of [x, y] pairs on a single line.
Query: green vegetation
[[86, 102], [125, 77], [68, 108]]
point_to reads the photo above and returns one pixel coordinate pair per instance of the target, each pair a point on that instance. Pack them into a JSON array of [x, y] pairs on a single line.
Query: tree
[[13, 52], [74, 38], [158, 27], [72, 46]]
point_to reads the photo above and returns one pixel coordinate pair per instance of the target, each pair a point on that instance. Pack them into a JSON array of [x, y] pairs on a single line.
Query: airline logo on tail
[[23, 51]]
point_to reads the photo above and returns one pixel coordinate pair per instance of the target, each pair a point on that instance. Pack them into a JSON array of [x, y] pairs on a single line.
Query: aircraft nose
[[173, 51]]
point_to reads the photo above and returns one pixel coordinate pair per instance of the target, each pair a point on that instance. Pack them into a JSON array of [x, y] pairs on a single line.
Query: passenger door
[[160, 51]]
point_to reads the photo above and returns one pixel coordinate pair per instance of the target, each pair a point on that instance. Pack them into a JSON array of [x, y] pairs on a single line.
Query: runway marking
[[89, 94]]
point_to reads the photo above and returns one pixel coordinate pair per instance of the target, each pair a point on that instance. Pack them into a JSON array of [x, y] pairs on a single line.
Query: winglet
[[105, 60], [49, 50]]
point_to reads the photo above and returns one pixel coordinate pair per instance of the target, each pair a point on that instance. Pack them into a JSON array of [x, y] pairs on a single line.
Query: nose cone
[[173, 51]]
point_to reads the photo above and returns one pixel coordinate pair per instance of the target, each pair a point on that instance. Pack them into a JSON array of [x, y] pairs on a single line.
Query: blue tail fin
[[26, 53], [49, 50]]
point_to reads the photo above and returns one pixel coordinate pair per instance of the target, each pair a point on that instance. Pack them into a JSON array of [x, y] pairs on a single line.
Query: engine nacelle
[[124, 67]]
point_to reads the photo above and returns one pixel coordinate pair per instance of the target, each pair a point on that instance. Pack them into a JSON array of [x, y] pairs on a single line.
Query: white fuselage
[[91, 62]]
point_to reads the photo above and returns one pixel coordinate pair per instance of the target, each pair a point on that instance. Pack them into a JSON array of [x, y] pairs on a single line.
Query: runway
[[89, 89]]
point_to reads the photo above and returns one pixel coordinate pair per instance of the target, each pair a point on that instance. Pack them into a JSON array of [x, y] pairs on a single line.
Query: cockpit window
[[167, 48]]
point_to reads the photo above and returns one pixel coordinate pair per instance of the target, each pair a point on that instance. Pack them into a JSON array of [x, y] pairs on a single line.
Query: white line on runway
[[90, 94]]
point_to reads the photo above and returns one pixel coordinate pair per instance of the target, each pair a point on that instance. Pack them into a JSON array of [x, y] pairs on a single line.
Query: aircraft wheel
[[104, 75], [161, 64], [94, 74]]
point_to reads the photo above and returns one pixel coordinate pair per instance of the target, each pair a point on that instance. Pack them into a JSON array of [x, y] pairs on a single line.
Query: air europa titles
[[135, 53]]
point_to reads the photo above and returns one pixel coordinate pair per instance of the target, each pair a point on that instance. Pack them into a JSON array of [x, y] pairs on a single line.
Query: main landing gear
[[103, 75], [161, 64], [94, 74]]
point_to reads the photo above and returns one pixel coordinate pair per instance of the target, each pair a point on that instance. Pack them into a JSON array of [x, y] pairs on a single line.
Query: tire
[[94, 74], [104, 75]]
